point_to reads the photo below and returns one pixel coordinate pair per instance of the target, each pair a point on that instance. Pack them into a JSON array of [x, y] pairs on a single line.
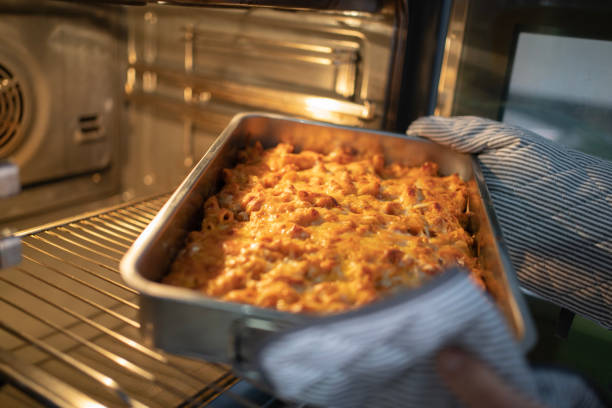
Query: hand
[[475, 384], [384, 355], [553, 203]]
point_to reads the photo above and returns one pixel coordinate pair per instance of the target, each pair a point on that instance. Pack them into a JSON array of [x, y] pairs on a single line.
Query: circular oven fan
[[12, 109]]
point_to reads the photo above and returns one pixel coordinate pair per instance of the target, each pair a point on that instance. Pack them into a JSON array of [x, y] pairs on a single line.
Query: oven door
[[543, 65]]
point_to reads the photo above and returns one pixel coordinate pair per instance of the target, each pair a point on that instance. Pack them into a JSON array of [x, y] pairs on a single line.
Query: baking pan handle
[[246, 335]]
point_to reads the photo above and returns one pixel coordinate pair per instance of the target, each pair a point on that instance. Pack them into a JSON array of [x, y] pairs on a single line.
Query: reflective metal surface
[[453, 47], [69, 331], [328, 5], [186, 322], [165, 75], [213, 63], [46, 387], [338, 5]]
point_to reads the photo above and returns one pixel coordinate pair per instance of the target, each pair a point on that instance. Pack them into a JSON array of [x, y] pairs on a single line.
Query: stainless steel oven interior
[[106, 105], [118, 102]]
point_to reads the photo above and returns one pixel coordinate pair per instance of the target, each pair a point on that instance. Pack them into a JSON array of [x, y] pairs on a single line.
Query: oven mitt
[[383, 355], [554, 205]]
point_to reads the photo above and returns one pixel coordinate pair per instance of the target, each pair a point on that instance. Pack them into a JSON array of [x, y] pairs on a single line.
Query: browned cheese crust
[[307, 232]]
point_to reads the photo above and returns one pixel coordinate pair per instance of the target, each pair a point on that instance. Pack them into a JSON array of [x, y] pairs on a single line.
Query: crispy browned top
[[306, 232]]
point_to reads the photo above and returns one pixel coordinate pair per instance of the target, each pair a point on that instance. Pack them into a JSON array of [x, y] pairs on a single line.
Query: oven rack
[[69, 331]]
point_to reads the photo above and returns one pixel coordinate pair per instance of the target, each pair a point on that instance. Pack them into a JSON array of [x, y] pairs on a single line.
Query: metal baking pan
[[186, 322]]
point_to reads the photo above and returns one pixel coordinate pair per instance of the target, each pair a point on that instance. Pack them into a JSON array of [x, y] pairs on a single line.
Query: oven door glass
[[542, 65]]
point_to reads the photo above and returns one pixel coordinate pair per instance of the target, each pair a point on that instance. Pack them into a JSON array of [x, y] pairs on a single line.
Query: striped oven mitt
[[554, 205], [383, 355]]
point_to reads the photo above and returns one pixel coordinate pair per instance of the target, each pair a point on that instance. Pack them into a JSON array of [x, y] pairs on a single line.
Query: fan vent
[[12, 108]]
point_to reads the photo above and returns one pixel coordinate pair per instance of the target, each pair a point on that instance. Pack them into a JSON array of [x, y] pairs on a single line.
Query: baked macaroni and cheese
[[315, 233]]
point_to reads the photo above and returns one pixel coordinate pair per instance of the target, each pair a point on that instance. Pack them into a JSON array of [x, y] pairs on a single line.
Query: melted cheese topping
[[306, 232]]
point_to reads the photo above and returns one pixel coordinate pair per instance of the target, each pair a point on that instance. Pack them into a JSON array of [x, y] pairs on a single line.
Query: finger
[[475, 384]]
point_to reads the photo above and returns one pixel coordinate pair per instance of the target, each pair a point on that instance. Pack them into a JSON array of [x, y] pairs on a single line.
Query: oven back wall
[[190, 70]]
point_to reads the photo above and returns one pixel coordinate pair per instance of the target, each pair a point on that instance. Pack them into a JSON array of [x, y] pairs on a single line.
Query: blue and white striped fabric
[[384, 355], [554, 205]]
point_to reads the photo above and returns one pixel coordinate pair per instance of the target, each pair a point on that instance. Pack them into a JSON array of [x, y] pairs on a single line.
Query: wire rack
[[69, 328]]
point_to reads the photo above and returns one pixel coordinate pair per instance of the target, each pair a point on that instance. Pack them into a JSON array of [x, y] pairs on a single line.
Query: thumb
[[466, 134], [475, 384]]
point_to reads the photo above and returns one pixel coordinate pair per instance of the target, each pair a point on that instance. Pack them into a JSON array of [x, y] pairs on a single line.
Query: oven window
[[559, 87]]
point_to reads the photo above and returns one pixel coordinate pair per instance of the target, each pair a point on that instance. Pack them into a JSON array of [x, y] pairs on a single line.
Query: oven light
[[326, 107], [316, 104], [322, 108]]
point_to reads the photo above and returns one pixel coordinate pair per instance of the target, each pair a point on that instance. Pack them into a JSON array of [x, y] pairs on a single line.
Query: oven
[[105, 106]]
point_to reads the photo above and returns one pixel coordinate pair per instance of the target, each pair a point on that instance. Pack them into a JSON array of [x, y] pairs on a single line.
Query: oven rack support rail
[[69, 331], [364, 6]]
